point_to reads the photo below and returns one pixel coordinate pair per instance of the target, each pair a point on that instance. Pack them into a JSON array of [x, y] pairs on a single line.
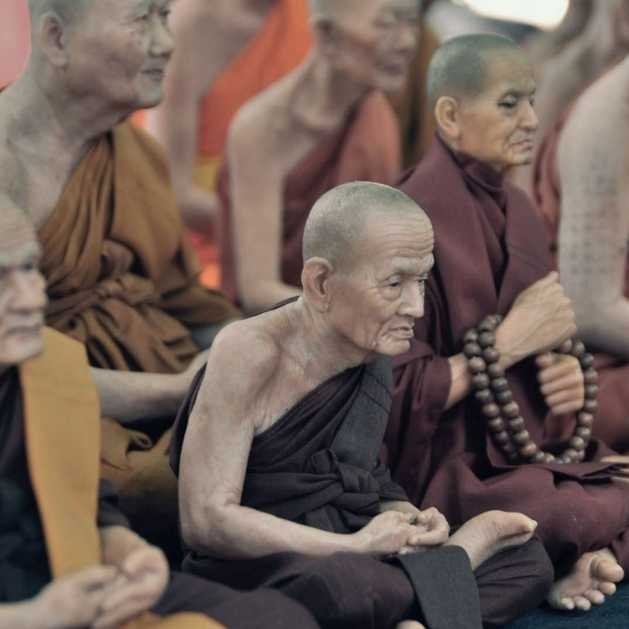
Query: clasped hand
[[561, 382]]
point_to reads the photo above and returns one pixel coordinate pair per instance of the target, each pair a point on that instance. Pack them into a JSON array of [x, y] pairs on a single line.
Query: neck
[[453, 145], [44, 119], [324, 97], [320, 349]]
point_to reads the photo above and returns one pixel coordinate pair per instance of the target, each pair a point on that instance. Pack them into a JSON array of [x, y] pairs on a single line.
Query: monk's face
[[376, 302], [22, 295], [498, 126], [374, 44], [119, 51]]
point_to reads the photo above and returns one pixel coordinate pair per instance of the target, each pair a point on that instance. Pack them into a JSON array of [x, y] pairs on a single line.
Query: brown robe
[[49, 416], [612, 426], [489, 247], [366, 148], [318, 465]]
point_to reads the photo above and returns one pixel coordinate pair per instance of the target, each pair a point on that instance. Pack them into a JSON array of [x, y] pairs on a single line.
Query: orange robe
[[15, 39], [281, 44], [61, 413], [612, 423], [366, 148]]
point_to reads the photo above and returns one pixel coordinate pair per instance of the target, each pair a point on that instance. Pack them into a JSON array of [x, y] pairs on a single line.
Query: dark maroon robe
[[489, 247], [318, 465], [24, 568]]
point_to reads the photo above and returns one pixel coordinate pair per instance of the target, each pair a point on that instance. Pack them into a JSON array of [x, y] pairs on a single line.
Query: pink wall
[[14, 39]]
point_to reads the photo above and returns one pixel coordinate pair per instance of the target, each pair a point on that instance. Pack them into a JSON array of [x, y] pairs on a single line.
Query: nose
[[162, 41], [412, 304], [530, 120], [29, 292]]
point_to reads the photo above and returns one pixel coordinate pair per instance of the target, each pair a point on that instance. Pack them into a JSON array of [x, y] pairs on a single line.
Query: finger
[[568, 407], [572, 381], [543, 361], [147, 588], [94, 578], [116, 617], [559, 370], [616, 458], [567, 396], [144, 559], [430, 538]]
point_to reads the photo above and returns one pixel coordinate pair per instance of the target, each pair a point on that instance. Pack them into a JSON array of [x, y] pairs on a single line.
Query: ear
[[447, 116], [53, 39], [315, 278]]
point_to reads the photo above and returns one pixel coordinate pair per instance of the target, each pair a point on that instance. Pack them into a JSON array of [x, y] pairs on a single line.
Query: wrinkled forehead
[[368, 10], [124, 8], [507, 71]]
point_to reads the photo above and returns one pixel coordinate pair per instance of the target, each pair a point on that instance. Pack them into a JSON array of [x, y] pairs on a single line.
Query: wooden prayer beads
[[504, 422]]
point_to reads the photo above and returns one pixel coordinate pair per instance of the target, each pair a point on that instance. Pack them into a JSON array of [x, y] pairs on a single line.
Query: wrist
[[509, 355], [34, 614], [357, 543]]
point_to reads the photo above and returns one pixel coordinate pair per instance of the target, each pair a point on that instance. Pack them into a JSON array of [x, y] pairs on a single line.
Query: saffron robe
[[15, 42], [612, 425], [279, 47], [366, 148], [318, 465], [489, 247], [50, 429]]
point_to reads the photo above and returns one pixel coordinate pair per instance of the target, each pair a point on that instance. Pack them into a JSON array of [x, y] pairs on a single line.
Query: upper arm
[[222, 423], [594, 218]]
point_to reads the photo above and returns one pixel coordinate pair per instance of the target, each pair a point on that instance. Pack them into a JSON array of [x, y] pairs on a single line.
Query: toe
[[595, 597], [607, 588], [582, 603]]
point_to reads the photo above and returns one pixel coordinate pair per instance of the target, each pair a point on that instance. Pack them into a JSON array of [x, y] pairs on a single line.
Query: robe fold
[[489, 247], [121, 278], [318, 465], [366, 148], [51, 506], [279, 47], [612, 426]]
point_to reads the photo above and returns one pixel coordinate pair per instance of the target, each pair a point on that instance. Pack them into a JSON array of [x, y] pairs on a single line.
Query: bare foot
[[410, 624], [593, 577], [490, 532]]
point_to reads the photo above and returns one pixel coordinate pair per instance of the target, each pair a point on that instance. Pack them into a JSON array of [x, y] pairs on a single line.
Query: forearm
[[260, 295], [117, 543], [21, 615], [242, 533], [129, 396], [606, 328]]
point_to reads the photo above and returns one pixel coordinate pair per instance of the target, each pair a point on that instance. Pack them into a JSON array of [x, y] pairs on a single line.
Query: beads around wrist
[[504, 422]]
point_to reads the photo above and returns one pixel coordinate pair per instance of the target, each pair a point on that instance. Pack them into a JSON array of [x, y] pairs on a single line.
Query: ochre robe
[[318, 465], [122, 280], [281, 45], [489, 247], [49, 418], [613, 416], [366, 148]]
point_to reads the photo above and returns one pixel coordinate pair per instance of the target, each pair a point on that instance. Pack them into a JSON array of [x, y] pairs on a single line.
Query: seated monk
[[227, 51], [67, 558], [582, 191], [603, 43], [277, 447], [325, 123], [501, 447], [120, 277]]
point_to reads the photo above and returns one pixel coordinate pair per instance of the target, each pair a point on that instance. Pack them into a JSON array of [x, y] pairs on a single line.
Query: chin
[[22, 349], [394, 348]]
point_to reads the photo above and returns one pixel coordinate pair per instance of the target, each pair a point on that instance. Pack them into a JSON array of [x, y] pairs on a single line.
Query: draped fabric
[[489, 247], [121, 278], [366, 148]]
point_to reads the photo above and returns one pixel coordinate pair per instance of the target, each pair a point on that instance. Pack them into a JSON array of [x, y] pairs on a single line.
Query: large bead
[[548, 457], [471, 336], [494, 370], [488, 324], [539, 457], [511, 410], [566, 347], [496, 424], [480, 381], [577, 443], [521, 438], [529, 450], [472, 349], [504, 397], [590, 406], [570, 454], [508, 448], [500, 384], [590, 376], [484, 396], [578, 348], [586, 360], [487, 339], [584, 433], [516, 424], [591, 391], [585, 419], [477, 365], [491, 410], [501, 437]]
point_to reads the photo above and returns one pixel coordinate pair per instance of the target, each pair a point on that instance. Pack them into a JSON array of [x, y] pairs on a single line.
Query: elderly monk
[[67, 558], [326, 123], [120, 277], [277, 448], [603, 43], [582, 190], [227, 51], [493, 258]]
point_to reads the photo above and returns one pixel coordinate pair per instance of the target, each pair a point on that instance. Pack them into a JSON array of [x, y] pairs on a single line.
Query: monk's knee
[[271, 608], [514, 582]]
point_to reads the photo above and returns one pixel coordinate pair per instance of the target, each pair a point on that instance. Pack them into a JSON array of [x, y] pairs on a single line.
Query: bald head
[[459, 68], [67, 10], [337, 222]]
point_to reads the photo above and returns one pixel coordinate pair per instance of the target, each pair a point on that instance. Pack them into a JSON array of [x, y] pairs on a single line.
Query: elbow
[[205, 531]]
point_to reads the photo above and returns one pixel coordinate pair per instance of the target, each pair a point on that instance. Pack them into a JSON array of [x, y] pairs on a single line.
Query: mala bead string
[[504, 421]]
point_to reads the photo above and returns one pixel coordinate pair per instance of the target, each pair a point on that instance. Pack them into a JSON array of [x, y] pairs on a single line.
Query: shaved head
[[336, 224], [65, 9], [459, 68]]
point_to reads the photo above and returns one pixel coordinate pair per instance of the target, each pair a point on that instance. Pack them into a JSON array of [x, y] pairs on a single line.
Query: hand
[[431, 529], [72, 601], [141, 581], [540, 319], [561, 381], [386, 534], [199, 209], [621, 473]]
